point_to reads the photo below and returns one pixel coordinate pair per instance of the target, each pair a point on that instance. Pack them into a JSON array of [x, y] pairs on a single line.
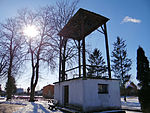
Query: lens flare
[[30, 31]]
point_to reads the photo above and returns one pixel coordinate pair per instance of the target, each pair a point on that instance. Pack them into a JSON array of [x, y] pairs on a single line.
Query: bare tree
[[11, 50], [40, 47], [44, 47], [63, 11]]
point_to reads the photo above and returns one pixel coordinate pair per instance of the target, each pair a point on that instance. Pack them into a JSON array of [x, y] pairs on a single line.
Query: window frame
[[103, 89]]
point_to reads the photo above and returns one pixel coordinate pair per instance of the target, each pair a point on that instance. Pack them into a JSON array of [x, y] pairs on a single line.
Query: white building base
[[89, 94]]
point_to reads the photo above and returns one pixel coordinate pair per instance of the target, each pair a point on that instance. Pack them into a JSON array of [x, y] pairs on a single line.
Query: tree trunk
[[9, 88], [125, 94], [32, 78], [35, 75], [32, 85], [123, 81], [32, 94]]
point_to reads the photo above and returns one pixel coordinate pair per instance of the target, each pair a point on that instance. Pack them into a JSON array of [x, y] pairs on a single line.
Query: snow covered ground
[[132, 103], [36, 107], [30, 107], [42, 106]]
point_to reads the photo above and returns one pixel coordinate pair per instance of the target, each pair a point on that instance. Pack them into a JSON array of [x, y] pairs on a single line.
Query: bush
[[144, 99]]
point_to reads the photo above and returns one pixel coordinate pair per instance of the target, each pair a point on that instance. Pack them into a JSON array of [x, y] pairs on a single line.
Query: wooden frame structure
[[79, 26]]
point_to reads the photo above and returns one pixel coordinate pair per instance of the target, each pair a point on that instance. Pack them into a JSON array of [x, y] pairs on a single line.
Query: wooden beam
[[79, 58], [60, 58], [84, 59], [107, 50], [83, 48]]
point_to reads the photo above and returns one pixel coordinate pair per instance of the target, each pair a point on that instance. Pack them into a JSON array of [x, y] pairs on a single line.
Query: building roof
[[82, 24], [96, 78], [50, 85], [48, 88]]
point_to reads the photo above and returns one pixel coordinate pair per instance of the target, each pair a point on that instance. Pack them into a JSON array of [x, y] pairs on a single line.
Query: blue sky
[[129, 19]]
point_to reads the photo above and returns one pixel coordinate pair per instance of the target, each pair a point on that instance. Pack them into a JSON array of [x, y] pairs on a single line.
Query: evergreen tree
[[10, 87], [143, 75], [142, 67], [121, 64], [97, 64]]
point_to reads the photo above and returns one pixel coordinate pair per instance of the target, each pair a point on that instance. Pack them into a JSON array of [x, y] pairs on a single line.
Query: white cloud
[[130, 19]]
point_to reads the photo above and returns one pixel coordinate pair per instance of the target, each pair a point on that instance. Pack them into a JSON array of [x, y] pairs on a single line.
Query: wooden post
[[79, 58], [83, 48], [60, 58], [64, 59], [84, 59], [107, 50]]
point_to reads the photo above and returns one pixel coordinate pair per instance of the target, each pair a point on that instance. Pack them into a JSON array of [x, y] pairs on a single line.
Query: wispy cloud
[[130, 19]]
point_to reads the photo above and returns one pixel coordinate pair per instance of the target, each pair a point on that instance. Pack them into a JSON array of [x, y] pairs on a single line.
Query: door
[[66, 95]]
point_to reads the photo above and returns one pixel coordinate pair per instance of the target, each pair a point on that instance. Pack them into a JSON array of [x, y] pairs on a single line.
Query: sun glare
[[30, 31]]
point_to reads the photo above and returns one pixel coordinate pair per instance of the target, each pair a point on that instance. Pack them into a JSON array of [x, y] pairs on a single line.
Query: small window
[[102, 88]]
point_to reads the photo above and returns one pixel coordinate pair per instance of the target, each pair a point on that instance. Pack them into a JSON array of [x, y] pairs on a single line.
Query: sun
[[30, 31]]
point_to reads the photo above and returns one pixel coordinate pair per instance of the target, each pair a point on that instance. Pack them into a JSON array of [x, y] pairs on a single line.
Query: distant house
[[19, 91], [131, 89], [39, 92], [48, 91]]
